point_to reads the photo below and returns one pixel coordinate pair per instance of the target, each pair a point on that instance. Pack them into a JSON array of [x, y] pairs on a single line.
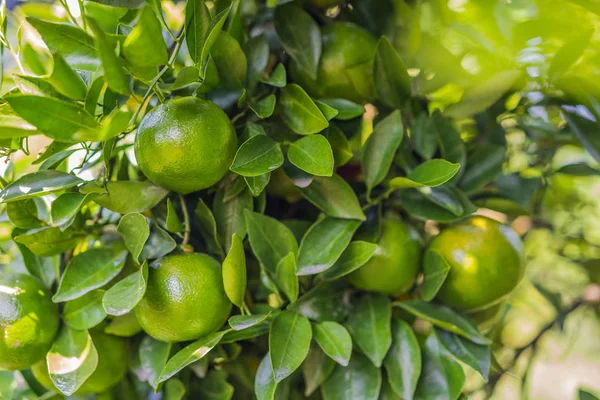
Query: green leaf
[[346, 109], [144, 46], [324, 302], [380, 148], [49, 241], [300, 112], [122, 3], [186, 77], [23, 214], [153, 356], [135, 231], [66, 206], [201, 31], [403, 361], [43, 268], [189, 354], [257, 184], [16, 127], [445, 318], [76, 46], [269, 239], [424, 136], [484, 165], [312, 154], [85, 312], [334, 340], [334, 196], [215, 386], [342, 151], [265, 107], [442, 377], [568, 54], [328, 112], [278, 77], [442, 204], [208, 227], [369, 325], [431, 173], [127, 293], [391, 79], [65, 122], [256, 156], [477, 356], [124, 326], [71, 360], [172, 223], [585, 395], [66, 81], [38, 184], [230, 215], [175, 389], [354, 256], [300, 37], [289, 341], [257, 54], [234, 271], [230, 61], [449, 141], [252, 332], [286, 276], [585, 127], [241, 322], [264, 381], [113, 66], [127, 197], [324, 243], [435, 271], [359, 380], [88, 271], [316, 369]]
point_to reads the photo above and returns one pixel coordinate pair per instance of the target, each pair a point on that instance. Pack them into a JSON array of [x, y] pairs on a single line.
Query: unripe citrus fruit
[[185, 298], [394, 266], [345, 67], [28, 321], [185, 145], [486, 263], [113, 353]]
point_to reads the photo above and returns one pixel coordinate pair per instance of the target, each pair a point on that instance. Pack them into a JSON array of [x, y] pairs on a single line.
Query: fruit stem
[[186, 221]]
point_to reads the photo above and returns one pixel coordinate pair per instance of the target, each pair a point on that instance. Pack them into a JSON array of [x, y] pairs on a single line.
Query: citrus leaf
[[359, 380], [257, 54], [324, 243], [127, 197], [153, 356], [241, 322], [585, 127], [342, 151], [172, 223], [289, 341], [435, 271], [257, 184], [300, 112], [230, 61], [66, 81], [477, 356], [328, 112], [392, 82], [346, 109], [286, 276], [312, 154], [127, 293], [12, 126], [85, 312], [230, 215], [264, 381], [334, 196], [278, 77], [431, 173], [403, 361], [135, 231], [256, 156], [144, 46], [89, 270], [124, 326], [113, 66], [66, 206], [265, 107], [334, 340], [38, 184], [234, 271], [49, 241], [354, 256], [208, 227], [424, 136], [316, 369], [370, 326]]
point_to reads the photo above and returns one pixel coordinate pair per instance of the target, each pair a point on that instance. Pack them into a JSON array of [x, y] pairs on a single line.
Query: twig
[[186, 221]]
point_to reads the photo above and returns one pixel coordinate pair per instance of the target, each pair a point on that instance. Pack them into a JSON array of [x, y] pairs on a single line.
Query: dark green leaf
[[312, 154], [208, 227], [435, 270], [403, 361], [51, 241], [328, 112], [289, 341], [265, 107], [585, 127], [578, 169], [230, 61], [89, 270], [369, 325], [380, 148], [85, 312], [392, 82], [585, 395], [334, 196], [234, 271], [300, 37], [252, 332], [300, 112], [346, 109], [113, 66], [257, 53], [449, 141], [43, 268], [257, 184], [316, 369], [354, 256], [230, 216], [201, 31], [66, 81], [264, 382], [135, 231], [334, 340], [122, 3], [342, 151], [270, 240], [424, 137], [359, 380], [241, 322], [23, 214], [66, 206], [153, 355], [124, 326], [127, 293], [435, 203], [256, 156], [324, 243], [38, 184], [127, 196], [172, 223], [186, 77], [484, 164], [445, 318], [477, 356], [215, 386], [286, 276], [431, 173], [144, 46], [278, 77], [325, 302]]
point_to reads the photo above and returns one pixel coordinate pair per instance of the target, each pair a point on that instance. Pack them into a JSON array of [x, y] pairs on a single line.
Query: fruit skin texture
[[113, 353], [28, 321], [486, 263], [185, 145], [345, 47], [185, 298], [394, 266]]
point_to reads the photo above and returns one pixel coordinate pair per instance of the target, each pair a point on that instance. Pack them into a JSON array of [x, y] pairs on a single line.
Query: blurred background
[[464, 57]]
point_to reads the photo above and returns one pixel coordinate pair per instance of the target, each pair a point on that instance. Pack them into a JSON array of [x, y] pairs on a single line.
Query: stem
[[186, 220], [15, 56]]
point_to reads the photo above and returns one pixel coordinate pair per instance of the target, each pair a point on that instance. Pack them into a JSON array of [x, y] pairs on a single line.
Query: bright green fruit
[[394, 266], [185, 145], [345, 67], [185, 298], [486, 263], [28, 321], [113, 353]]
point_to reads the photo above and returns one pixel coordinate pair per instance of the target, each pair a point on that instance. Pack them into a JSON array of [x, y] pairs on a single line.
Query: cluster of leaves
[[87, 223]]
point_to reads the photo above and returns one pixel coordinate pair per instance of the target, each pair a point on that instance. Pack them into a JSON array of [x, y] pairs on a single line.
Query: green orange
[[113, 354], [346, 65], [486, 263], [394, 266], [185, 298], [185, 145], [28, 321]]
